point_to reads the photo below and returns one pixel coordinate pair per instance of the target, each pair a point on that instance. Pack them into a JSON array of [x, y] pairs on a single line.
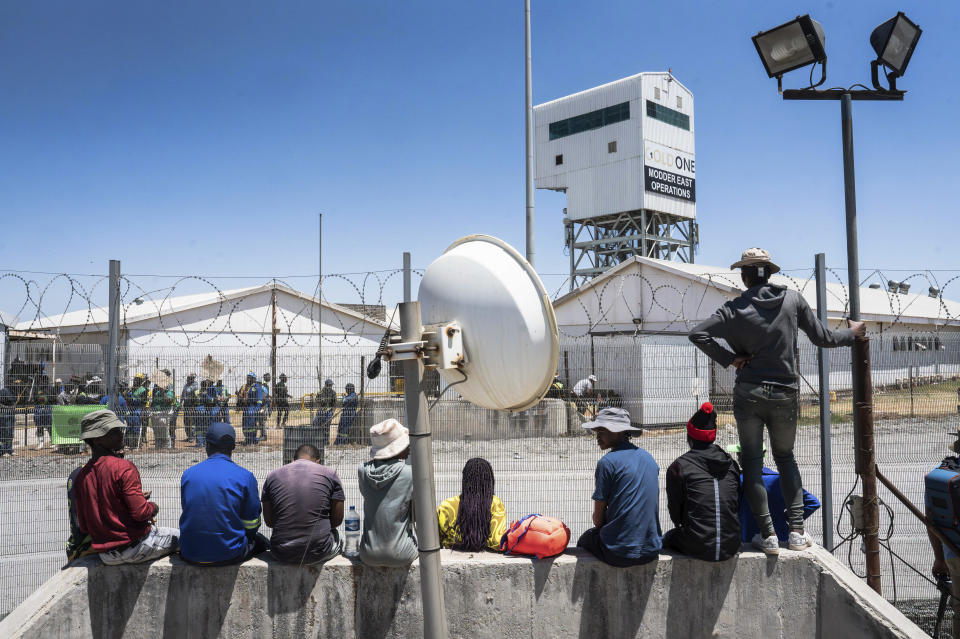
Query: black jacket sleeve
[[703, 337], [676, 494], [817, 332]]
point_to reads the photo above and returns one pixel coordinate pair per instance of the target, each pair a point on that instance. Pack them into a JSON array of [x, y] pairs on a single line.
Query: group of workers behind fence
[[154, 405]]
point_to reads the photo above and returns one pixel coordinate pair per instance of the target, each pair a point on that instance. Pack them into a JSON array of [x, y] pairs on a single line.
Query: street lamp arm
[[837, 94]]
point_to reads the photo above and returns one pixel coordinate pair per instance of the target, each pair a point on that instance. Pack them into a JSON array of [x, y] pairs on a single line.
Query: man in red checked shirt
[[111, 503]]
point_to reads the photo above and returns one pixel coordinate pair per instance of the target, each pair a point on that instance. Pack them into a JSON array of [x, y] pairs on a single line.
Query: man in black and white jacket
[[703, 494]]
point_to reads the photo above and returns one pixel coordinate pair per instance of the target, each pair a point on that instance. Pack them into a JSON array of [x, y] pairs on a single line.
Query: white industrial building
[[632, 323], [314, 340], [604, 146], [624, 155]]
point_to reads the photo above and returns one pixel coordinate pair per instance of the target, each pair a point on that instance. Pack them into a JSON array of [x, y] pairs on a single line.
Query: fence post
[[910, 368], [114, 332], [823, 362]]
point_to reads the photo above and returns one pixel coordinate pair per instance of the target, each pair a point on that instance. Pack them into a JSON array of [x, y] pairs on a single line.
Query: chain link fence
[[542, 459]]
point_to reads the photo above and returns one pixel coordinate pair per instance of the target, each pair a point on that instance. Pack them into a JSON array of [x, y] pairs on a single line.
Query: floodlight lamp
[[790, 46], [904, 288], [893, 285], [894, 42]]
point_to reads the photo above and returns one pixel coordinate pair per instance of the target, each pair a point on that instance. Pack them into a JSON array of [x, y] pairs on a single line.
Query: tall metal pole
[[823, 361], [421, 458], [529, 112], [320, 299], [114, 332], [864, 453], [273, 336]]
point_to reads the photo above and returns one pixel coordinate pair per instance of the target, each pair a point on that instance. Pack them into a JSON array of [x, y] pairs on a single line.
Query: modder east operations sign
[[669, 172]]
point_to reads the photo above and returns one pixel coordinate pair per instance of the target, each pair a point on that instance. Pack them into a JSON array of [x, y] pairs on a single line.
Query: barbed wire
[[194, 310]]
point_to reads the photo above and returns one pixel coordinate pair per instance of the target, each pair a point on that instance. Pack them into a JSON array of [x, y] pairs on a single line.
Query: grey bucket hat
[[98, 423], [615, 420]]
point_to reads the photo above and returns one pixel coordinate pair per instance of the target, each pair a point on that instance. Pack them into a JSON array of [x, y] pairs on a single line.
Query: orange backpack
[[536, 535]]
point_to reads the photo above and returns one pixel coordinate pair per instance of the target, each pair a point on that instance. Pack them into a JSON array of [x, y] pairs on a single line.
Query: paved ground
[[546, 475]]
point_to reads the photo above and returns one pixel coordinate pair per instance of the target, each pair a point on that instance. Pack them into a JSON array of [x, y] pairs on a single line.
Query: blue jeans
[[773, 406]]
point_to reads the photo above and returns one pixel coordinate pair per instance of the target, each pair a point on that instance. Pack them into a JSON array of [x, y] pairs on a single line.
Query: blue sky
[[204, 138]]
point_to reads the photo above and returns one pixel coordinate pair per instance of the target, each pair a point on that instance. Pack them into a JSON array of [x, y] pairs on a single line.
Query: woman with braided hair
[[476, 518]]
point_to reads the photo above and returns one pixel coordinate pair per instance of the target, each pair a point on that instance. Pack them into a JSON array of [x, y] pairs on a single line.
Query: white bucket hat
[[755, 256], [615, 420], [389, 438]]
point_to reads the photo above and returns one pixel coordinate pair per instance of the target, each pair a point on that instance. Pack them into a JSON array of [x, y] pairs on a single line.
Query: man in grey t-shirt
[[303, 503]]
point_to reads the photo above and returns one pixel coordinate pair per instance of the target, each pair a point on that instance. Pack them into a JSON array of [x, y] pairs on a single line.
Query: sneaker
[[799, 540], [40, 445], [769, 545]]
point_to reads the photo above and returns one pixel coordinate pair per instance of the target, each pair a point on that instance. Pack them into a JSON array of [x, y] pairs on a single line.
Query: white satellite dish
[[492, 321]]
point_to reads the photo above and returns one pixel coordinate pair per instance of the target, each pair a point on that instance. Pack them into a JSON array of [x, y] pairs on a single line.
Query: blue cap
[[328, 382], [221, 435]]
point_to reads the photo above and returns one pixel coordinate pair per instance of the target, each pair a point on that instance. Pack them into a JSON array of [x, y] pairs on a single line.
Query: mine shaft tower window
[[668, 115], [590, 121]]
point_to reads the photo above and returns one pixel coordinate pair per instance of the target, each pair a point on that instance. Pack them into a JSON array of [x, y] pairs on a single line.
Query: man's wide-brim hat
[[99, 423], [754, 257], [615, 420], [389, 439]]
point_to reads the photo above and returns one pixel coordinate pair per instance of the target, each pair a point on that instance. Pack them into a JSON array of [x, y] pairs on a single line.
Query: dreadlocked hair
[[476, 496]]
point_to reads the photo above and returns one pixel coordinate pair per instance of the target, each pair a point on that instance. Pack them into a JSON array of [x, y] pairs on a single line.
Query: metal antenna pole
[[421, 458], [114, 332], [529, 114], [862, 389], [823, 360]]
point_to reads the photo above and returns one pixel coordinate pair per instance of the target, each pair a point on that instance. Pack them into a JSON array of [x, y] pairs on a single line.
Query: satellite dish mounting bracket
[[440, 347]]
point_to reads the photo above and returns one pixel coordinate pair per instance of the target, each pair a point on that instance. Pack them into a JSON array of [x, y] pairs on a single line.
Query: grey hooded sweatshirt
[[763, 322], [388, 537]]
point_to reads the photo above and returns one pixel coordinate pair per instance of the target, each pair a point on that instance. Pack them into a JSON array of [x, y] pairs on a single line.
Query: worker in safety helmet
[[282, 399], [250, 399], [348, 414], [583, 391], [264, 413]]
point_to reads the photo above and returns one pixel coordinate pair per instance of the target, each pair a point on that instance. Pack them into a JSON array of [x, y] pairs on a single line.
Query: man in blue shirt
[[778, 508], [625, 514], [220, 506]]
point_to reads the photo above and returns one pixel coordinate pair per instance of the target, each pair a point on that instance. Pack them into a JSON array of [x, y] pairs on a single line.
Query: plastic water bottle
[[351, 525]]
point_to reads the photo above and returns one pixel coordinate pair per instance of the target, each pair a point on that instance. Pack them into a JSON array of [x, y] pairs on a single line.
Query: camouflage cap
[[98, 423]]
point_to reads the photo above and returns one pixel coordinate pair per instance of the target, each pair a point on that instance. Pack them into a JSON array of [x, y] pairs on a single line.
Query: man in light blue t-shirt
[[625, 513]]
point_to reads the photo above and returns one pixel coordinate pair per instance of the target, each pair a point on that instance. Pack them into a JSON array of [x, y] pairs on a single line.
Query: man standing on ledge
[[760, 327]]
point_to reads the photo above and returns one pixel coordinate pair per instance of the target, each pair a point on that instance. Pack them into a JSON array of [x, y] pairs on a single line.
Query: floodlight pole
[[864, 453], [421, 459], [529, 137]]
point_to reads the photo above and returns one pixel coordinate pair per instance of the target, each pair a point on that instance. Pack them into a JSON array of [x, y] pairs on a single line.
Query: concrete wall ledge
[[799, 594]]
